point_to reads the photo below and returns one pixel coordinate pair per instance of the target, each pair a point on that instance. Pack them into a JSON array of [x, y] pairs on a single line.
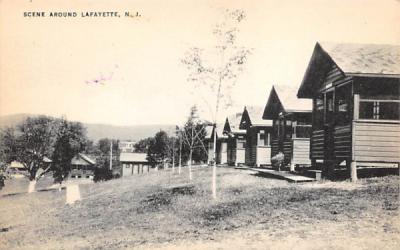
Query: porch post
[[292, 166], [353, 171]]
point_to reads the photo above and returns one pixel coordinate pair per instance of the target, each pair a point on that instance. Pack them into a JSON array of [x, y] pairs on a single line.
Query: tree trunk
[[190, 164], [214, 170], [180, 158], [173, 161]]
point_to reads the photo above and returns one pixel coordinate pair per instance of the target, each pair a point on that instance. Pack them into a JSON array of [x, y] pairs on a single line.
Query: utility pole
[[111, 147]]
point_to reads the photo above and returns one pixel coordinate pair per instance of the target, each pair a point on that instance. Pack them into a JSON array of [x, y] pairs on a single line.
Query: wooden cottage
[[133, 163], [82, 166], [258, 136], [291, 125], [236, 140], [355, 93]]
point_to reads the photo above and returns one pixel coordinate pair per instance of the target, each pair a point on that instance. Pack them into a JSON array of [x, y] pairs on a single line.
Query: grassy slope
[[251, 212]]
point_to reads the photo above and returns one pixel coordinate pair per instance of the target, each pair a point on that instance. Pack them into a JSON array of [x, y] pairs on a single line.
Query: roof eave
[[357, 74]]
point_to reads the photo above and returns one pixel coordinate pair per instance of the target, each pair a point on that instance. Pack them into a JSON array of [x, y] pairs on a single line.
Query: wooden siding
[[263, 154], [333, 75], [231, 151], [287, 150], [210, 152], [274, 147], [223, 153], [376, 142], [317, 144], [251, 146], [342, 142], [301, 151], [240, 156]]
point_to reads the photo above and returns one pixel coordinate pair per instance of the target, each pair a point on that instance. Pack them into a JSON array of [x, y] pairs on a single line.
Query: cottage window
[[261, 138], [264, 138], [302, 131], [288, 129], [380, 109], [241, 144], [342, 112]]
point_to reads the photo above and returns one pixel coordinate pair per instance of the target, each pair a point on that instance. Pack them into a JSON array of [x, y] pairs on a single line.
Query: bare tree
[[193, 134], [218, 71]]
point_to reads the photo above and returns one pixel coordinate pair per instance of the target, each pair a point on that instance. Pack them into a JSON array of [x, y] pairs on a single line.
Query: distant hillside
[[98, 131]]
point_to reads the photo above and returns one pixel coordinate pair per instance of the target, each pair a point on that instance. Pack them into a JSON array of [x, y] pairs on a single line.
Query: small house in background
[[258, 136], [126, 146], [236, 140], [291, 118], [82, 166], [133, 163], [356, 105], [16, 168]]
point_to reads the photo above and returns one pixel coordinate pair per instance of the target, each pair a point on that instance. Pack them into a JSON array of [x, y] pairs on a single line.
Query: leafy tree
[[158, 149], [104, 146], [3, 158], [30, 143], [142, 145], [103, 171], [216, 73], [70, 140]]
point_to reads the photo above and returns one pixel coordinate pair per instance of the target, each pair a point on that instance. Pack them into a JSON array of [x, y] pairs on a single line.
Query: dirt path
[[73, 194]]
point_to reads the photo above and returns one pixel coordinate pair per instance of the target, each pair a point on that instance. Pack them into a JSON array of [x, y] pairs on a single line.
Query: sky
[[49, 65]]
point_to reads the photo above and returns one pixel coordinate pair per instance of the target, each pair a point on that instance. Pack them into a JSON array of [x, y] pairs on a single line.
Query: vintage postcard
[[199, 124]]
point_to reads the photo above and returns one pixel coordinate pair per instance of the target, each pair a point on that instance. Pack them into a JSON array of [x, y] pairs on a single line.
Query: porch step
[[283, 175]]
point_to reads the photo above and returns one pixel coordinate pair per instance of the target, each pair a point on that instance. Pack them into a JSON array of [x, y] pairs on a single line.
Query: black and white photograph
[[200, 124]]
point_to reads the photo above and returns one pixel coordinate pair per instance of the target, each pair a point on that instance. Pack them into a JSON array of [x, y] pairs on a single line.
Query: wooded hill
[[98, 131]]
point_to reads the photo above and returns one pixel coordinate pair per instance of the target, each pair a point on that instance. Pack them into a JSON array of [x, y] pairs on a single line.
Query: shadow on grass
[[39, 190], [163, 199]]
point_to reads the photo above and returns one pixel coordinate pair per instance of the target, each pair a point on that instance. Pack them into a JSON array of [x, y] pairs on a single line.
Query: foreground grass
[[164, 210]]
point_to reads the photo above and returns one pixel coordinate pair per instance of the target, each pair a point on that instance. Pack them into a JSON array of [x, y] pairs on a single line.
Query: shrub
[[102, 174]]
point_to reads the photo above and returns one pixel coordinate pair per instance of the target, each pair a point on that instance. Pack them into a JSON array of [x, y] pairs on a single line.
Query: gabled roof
[[253, 115], [232, 123], [209, 131], [82, 159], [133, 157], [373, 60], [365, 58], [220, 131], [284, 99]]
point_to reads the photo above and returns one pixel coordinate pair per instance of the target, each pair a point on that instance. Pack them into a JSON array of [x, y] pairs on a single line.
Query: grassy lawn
[[165, 211]]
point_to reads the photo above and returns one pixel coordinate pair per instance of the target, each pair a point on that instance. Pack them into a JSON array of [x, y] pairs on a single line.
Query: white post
[[190, 165], [31, 187], [353, 171], [111, 144]]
